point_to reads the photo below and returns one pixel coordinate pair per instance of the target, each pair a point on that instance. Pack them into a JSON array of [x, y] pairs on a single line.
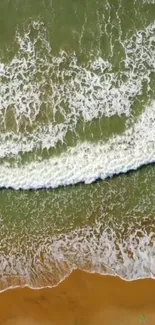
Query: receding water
[[77, 105]]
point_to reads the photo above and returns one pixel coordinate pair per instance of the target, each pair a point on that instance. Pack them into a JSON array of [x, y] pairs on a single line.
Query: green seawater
[[76, 72]]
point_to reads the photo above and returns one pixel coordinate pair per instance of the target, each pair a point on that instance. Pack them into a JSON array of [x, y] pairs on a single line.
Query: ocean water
[[77, 139]]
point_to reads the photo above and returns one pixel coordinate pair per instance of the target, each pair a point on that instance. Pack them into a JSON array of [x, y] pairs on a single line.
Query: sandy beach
[[81, 299]]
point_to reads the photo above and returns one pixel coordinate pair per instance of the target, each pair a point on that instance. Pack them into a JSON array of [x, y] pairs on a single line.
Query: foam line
[[87, 162], [88, 91]]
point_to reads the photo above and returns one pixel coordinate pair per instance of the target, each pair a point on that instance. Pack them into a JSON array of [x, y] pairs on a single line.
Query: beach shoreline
[[81, 299]]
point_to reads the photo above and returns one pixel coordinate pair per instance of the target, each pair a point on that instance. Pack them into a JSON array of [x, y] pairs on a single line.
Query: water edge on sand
[[81, 299]]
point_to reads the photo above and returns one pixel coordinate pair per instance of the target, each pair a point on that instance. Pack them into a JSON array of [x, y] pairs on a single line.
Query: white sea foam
[[33, 85], [87, 90], [92, 249], [102, 251], [87, 162], [29, 83]]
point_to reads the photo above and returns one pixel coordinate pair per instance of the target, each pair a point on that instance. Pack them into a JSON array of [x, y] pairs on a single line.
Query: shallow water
[[77, 104]]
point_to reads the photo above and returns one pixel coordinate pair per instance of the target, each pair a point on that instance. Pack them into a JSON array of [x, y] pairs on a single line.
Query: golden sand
[[82, 299]]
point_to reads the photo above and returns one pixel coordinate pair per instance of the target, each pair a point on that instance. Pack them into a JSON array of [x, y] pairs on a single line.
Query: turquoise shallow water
[[76, 106]]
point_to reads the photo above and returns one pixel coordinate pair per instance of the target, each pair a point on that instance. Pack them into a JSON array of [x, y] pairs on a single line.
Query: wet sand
[[81, 299]]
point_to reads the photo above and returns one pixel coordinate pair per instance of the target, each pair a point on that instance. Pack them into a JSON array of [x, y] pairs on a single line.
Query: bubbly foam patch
[[87, 91], [42, 96], [92, 249], [87, 162]]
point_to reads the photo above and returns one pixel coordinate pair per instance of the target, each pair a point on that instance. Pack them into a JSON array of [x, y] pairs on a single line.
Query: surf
[[90, 92]]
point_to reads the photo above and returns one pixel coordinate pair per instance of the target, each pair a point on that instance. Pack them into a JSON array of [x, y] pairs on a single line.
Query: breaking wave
[[38, 92]]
